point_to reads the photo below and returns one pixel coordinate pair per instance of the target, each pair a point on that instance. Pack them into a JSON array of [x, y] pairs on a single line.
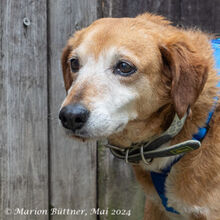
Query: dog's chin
[[84, 135], [78, 135]]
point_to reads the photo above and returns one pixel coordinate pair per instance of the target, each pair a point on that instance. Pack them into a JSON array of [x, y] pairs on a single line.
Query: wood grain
[[23, 111], [130, 8], [73, 164], [39, 164], [118, 188], [116, 182], [188, 13], [201, 14], [216, 15]]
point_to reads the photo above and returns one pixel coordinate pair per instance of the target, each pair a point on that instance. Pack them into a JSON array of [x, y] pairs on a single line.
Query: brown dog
[[125, 79]]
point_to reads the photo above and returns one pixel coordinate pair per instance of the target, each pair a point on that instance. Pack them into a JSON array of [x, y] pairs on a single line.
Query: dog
[[126, 80]]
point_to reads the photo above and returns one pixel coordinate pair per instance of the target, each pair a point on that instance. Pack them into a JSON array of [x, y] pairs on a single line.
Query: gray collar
[[148, 150]]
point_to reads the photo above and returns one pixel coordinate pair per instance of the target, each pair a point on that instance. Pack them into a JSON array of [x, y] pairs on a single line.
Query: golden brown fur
[[180, 66]]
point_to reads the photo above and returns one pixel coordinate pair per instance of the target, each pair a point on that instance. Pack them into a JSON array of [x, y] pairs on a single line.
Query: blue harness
[[159, 179]]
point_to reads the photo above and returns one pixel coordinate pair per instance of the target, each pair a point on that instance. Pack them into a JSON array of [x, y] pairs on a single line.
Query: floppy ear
[[65, 67], [187, 71]]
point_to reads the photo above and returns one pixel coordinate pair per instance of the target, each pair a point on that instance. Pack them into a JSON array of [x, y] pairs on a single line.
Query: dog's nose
[[73, 116]]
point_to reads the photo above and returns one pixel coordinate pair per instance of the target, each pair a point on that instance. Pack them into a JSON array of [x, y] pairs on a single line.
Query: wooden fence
[[40, 167]]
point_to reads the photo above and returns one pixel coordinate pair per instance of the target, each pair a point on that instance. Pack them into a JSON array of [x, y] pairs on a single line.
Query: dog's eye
[[124, 68], [74, 64]]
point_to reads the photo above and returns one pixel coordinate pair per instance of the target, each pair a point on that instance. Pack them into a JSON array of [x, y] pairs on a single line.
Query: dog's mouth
[[78, 134], [84, 135]]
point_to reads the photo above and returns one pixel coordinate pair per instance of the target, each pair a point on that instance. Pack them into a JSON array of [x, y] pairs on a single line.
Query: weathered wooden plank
[[130, 8], [216, 18], [73, 164], [189, 13], [23, 110], [117, 186], [201, 13]]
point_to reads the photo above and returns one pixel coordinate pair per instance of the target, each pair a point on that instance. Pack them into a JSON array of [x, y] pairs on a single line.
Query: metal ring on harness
[[143, 158], [126, 156]]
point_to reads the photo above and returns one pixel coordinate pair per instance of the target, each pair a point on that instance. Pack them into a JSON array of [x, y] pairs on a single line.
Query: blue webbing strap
[[202, 131], [159, 179]]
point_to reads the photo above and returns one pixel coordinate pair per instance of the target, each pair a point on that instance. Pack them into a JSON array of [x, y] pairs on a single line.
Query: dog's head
[[122, 70]]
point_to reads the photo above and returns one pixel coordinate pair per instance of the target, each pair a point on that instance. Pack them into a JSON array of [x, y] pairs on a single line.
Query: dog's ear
[[65, 67], [187, 71]]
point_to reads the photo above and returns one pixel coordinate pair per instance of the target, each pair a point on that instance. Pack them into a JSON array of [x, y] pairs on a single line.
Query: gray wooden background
[[40, 167]]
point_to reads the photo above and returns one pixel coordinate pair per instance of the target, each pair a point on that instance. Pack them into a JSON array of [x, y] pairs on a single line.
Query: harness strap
[[158, 180]]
